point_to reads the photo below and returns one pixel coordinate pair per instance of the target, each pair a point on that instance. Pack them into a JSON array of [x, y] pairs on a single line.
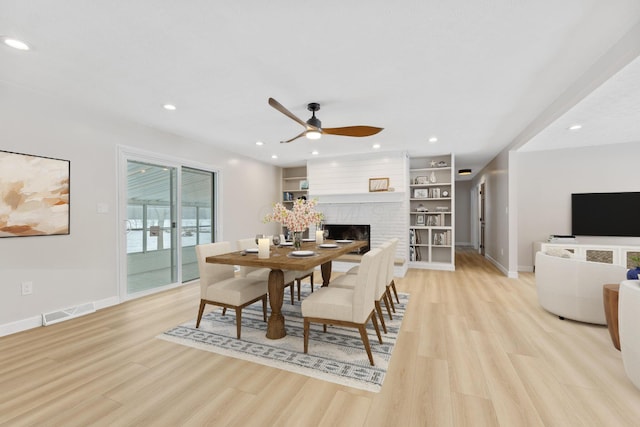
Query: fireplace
[[350, 232]]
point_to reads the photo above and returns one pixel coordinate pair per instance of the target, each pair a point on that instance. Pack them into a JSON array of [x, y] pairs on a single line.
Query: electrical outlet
[[27, 288]]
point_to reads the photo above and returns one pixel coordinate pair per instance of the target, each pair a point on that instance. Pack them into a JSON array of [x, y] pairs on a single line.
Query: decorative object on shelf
[[287, 196], [445, 193], [442, 209], [421, 180], [634, 273], [298, 219], [304, 184], [420, 193], [432, 177], [433, 163], [421, 208], [420, 219], [378, 184], [442, 164]]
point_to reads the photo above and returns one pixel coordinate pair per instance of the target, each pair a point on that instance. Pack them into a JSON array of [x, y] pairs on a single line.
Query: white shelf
[[444, 168], [426, 254]]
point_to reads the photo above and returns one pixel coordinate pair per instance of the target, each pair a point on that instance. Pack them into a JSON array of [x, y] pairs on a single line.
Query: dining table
[[285, 257]]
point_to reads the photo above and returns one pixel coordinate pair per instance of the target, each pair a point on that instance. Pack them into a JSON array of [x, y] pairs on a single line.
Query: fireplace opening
[[351, 232]]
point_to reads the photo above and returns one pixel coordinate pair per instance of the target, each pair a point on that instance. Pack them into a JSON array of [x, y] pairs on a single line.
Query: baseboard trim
[[36, 321], [506, 272]]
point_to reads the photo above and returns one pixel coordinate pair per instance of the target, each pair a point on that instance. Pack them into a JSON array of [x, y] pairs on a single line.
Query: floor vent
[[68, 313]]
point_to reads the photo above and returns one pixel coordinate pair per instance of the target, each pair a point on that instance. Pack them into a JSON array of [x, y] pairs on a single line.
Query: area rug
[[337, 356]]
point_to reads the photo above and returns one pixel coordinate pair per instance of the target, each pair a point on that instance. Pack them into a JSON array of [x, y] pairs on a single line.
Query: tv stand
[[607, 254]]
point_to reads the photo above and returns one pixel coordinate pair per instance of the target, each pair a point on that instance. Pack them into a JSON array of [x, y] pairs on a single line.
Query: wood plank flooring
[[475, 349]]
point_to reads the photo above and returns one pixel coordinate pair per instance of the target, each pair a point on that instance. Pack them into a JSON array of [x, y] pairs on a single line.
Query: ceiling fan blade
[[275, 104], [352, 131], [294, 138]]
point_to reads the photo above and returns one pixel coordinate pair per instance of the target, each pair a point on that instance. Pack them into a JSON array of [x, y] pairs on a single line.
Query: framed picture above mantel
[[34, 195], [378, 184]]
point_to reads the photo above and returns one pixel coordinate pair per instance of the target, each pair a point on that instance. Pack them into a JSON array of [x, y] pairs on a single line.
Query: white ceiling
[[477, 73]]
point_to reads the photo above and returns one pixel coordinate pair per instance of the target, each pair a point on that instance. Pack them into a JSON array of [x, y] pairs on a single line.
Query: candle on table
[[263, 247], [319, 237]]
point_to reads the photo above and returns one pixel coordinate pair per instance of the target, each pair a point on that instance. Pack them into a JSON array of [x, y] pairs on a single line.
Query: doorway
[[481, 217], [167, 210]]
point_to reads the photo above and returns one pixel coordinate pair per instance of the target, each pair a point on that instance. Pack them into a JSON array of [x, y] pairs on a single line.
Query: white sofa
[[628, 318], [572, 288]]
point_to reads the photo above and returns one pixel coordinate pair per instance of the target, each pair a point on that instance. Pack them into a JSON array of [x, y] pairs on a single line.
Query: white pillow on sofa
[[559, 252]]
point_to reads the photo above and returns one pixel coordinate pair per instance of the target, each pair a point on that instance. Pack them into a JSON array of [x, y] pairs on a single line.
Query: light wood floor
[[475, 349]]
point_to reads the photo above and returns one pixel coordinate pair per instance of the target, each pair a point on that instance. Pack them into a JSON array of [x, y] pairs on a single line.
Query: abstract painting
[[34, 195]]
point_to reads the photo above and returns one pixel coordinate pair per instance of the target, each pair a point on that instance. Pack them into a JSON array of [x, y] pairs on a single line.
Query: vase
[[297, 240], [633, 273]]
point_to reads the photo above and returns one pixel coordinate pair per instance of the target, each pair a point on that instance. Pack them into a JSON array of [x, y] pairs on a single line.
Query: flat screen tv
[[605, 214]]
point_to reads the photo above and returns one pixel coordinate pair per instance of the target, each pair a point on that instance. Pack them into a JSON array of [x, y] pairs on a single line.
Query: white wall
[[546, 179], [463, 213], [341, 186], [82, 267], [496, 178]]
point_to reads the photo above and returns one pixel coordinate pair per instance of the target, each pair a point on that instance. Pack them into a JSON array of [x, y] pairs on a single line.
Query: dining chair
[[350, 280], [220, 287], [346, 307], [391, 284], [304, 275], [263, 273]]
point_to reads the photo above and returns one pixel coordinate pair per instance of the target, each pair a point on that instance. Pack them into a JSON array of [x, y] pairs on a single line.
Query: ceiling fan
[[313, 127]]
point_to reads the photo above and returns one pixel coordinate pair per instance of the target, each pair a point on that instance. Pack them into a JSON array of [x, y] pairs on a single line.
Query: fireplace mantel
[[374, 197]]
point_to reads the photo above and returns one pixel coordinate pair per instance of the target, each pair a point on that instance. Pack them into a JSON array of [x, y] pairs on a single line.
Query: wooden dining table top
[[280, 256]]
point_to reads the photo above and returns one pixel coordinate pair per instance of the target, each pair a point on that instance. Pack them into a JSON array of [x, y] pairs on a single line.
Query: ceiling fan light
[[313, 134]]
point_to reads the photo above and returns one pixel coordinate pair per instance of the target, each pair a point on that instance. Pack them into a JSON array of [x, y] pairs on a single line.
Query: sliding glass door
[[169, 210], [197, 217], [151, 226]]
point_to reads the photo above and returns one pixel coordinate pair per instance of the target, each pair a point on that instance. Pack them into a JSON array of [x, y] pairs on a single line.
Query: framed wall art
[[34, 195], [378, 184]]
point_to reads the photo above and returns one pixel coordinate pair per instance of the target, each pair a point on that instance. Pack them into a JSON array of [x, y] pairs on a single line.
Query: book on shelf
[[442, 238]]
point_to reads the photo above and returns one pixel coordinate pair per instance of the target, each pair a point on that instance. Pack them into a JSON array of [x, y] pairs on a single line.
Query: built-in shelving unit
[[432, 212], [294, 186]]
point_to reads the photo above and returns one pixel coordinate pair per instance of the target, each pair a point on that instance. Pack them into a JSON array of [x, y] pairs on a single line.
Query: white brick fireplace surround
[[341, 187]]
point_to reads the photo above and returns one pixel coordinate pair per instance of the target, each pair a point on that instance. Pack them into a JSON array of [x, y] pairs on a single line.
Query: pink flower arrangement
[[299, 218]]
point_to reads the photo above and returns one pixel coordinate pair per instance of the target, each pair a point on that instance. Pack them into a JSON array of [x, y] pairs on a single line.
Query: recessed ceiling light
[[259, 143], [15, 43], [376, 146], [575, 127], [274, 156], [464, 172], [433, 139], [169, 107], [315, 152]]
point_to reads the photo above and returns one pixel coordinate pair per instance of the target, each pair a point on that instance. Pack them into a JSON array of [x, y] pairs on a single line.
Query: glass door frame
[[126, 154]]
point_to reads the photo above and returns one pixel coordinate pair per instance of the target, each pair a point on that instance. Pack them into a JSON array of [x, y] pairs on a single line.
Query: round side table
[[610, 298]]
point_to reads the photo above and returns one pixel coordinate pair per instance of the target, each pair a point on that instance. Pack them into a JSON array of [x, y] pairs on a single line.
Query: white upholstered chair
[[391, 284], [572, 288], [349, 281], [628, 316], [219, 286], [346, 307], [263, 273]]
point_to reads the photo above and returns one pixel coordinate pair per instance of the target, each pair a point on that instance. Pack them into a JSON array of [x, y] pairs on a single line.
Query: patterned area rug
[[337, 356]]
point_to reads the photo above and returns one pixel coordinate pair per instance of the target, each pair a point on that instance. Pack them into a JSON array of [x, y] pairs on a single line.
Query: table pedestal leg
[[275, 324], [326, 273]]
